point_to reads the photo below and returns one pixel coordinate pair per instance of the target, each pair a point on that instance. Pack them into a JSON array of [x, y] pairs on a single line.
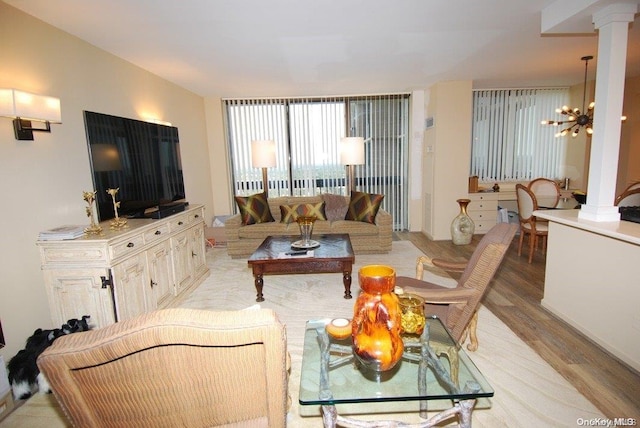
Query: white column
[[612, 22]]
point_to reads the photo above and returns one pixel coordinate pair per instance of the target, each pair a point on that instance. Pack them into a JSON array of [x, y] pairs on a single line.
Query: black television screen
[[141, 159]]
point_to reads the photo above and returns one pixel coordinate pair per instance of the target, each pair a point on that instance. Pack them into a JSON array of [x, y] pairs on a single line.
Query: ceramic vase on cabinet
[[462, 227], [376, 324]]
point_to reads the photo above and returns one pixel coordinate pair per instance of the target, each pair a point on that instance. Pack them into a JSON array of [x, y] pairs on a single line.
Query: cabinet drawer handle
[[180, 223], [193, 254], [152, 284], [158, 232], [197, 216], [130, 244]]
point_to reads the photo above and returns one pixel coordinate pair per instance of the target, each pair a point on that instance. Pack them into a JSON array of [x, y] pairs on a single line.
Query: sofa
[[366, 238]]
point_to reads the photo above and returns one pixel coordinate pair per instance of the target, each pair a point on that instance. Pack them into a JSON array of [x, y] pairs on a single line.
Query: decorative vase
[[462, 227], [376, 324], [306, 229], [412, 309]]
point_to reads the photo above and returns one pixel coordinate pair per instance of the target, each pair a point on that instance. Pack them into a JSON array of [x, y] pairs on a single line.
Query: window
[[508, 141], [307, 132]]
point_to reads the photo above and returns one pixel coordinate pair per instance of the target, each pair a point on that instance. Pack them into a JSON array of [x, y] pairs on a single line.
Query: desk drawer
[[483, 226]]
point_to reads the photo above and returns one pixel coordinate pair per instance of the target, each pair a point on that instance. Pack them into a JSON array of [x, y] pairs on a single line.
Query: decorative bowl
[[339, 328]]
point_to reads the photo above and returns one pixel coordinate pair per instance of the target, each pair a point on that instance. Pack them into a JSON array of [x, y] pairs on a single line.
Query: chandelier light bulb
[[623, 118], [589, 131]]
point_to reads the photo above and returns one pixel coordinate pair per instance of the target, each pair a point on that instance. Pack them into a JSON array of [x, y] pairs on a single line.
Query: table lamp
[[263, 155], [351, 154]]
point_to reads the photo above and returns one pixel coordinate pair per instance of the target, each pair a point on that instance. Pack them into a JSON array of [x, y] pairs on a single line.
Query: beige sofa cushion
[[335, 206], [353, 227]]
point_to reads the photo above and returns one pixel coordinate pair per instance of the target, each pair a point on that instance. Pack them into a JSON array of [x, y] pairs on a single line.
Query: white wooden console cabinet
[[115, 276]]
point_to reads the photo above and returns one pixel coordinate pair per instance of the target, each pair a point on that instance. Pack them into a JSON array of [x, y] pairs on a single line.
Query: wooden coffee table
[[334, 255]]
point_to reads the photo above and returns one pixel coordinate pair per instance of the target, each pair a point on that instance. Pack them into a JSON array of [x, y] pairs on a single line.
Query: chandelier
[[576, 118]]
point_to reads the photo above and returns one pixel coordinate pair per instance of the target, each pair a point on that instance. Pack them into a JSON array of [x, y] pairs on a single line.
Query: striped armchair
[[174, 367]]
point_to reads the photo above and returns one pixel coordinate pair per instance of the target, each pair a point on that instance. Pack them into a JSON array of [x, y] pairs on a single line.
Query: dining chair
[[545, 189], [634, 185], [174, 367], [628, 198], [529, 225]]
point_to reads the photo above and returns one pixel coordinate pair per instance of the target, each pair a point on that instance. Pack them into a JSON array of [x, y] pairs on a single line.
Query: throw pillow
[[364, 207], [290, 213], [335, 206], [254, 209]]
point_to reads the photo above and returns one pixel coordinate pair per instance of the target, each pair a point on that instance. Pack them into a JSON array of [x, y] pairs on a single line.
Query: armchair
[[457, 307], [174, 367]]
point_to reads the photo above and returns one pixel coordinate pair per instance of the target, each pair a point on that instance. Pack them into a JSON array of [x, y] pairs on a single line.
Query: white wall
[[219, 157], [446, 155], [43, 179]]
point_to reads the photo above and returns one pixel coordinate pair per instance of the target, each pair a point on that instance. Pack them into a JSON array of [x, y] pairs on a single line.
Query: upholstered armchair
[[457, 307], [174, 367]]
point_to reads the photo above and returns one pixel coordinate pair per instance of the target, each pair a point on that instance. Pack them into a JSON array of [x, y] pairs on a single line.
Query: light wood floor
[[514, 297]]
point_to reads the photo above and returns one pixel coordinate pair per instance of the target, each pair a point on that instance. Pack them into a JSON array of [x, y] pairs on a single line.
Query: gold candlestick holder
[[117, 223], [94, 228]]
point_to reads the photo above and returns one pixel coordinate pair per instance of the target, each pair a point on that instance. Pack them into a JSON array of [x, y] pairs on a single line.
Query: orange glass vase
[[376, 324]]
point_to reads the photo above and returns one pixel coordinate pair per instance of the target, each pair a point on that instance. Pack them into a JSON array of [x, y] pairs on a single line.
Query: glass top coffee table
[[434, 369]]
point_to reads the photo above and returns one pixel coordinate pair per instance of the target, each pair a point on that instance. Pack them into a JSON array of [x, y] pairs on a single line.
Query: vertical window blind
[[508, 141], [307, 132]]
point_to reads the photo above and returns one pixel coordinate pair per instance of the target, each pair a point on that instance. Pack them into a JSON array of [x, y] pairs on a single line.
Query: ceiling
[[254, 48]]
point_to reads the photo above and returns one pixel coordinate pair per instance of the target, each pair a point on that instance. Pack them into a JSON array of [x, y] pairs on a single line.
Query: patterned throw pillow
[[289, 213], [363, 207], [254, 209]]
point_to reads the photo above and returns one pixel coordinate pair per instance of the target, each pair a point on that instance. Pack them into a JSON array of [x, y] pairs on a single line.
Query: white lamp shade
[[14, 103], [263, 153], [352, 151]]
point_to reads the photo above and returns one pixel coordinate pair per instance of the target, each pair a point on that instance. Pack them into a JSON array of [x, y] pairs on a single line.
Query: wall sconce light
[[263, 155], [25, 107], [351, 154]]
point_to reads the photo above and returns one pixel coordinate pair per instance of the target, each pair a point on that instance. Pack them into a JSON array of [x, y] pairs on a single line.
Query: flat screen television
[[141, 159]]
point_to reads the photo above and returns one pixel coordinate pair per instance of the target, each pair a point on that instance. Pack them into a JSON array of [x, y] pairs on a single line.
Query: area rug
[[528, 392]]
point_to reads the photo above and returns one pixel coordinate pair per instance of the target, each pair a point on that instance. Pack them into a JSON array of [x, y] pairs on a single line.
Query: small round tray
[[302, 245]]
